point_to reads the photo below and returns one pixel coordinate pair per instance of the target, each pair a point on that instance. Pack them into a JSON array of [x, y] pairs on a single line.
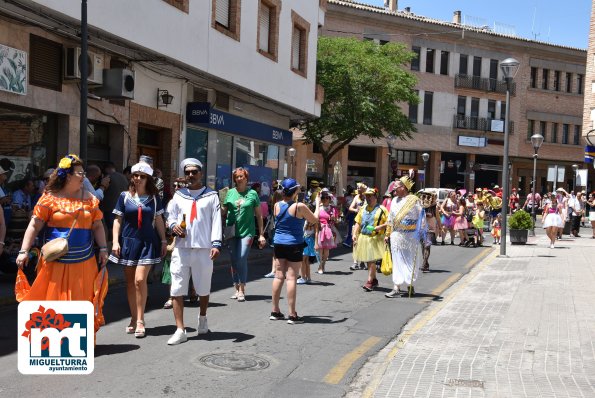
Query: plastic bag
[[387, 262]]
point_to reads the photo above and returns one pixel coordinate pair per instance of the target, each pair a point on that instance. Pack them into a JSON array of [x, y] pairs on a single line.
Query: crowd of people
[[142, 225]]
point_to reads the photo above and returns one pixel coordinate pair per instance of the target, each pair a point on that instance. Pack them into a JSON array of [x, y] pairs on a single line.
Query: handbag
[[58, 247], [387, 261], [229, 232]]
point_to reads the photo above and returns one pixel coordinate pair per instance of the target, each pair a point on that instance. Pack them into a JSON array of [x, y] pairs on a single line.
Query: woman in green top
[[240, 208]]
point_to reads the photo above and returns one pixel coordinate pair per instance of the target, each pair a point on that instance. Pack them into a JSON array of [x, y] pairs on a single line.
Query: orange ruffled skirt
[[66, 282]]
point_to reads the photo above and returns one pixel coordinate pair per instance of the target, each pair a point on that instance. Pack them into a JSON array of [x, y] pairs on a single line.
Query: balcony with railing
[[483, 84], [481, 124]]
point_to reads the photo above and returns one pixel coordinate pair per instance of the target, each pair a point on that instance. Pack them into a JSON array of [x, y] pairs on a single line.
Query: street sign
[[553, 170], [489, 167], [581, 177]]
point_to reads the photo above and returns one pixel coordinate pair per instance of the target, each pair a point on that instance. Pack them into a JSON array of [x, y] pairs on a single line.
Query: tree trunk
[[325, 164]]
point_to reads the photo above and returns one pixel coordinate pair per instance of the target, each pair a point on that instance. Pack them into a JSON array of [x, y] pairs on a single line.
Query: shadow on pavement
[[337, 273], [438, 271], [196, 304], [111, 349], [321, 319], [258, 297], [319, 283], [164, 330], [237, 337]]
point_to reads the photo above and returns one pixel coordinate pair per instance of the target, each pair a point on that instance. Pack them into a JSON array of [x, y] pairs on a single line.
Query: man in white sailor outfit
[[194, 253]]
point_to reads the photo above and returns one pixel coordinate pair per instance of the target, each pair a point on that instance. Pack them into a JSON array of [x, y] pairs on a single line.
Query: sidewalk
[[116, 273], [522, 326]]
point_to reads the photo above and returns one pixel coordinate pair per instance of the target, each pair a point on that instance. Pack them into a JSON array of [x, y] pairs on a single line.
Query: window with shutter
[[265, 23], [295, 48], [45, 65], [299, 44], [222, 12], [225, 17], [268, 28]]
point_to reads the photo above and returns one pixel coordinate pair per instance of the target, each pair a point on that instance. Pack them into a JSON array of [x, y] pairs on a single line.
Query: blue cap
[[289, 185]]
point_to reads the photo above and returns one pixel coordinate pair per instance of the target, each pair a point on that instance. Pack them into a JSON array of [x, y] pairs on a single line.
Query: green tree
[[363, 83]]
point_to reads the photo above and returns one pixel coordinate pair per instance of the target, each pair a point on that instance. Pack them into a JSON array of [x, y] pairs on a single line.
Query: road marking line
[[476, 259], [336, 374], [444, 285], [406, 335]]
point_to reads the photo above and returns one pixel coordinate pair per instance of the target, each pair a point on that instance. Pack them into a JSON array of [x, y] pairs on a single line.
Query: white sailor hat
[[190, 162], [142, 167]]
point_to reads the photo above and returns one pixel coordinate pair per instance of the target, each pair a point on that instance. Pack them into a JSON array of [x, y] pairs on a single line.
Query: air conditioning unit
[[117, 84], [72, 66]]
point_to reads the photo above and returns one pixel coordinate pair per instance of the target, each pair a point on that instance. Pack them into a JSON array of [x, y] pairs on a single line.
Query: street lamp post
[[425, 157], [509, 67], [458, 165], [391, 141], [574, 170], [536, 141], [291, 152]]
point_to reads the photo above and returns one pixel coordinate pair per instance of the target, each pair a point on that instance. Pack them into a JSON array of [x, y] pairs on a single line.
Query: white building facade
[[234, 75]]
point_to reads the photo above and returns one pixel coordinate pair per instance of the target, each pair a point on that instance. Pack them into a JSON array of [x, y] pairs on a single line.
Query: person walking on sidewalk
[[140, 228], [406, 226], [325, 236], [240, 208], [575, 212], [368, 232], [359, 200], [552, 220], [289, 246], [449, 206], [428, 201], [65, 205], [197, 245]]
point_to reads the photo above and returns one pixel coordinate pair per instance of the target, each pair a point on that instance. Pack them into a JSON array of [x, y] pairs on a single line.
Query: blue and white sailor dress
[[139, 241]]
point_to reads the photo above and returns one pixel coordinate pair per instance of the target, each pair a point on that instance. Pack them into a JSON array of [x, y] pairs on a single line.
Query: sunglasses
[[141, 176], [80, 173], [191, 172]]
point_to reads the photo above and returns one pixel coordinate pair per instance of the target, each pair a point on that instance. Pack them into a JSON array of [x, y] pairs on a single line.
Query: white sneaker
[[551, 246], [178, 337], [203, 327]]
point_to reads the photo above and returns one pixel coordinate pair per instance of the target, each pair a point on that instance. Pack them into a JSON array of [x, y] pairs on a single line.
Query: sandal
[[168, 304], [140, 331], [130, 328]]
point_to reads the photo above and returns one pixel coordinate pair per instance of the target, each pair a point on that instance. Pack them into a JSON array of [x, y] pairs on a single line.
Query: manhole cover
[[465, 383], [234, 361]]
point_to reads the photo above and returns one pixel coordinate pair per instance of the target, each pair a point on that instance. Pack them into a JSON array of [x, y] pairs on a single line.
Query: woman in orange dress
[[71, 277]]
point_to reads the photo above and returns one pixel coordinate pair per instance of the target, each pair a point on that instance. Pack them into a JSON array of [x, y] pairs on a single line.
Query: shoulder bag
[[58, 247]]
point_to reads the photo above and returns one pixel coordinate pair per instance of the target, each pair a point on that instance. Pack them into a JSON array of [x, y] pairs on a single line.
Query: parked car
[[441, 193]]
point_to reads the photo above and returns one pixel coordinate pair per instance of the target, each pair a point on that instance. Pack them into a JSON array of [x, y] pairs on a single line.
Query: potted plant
[[519, 225]]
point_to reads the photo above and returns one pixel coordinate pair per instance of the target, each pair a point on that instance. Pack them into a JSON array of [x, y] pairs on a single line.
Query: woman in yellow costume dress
[[73, 276]]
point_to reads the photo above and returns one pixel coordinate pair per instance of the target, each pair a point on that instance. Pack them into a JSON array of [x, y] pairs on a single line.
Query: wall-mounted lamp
[[164, 98]]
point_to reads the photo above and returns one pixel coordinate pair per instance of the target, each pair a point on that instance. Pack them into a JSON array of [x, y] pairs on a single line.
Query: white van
[[441, 193]]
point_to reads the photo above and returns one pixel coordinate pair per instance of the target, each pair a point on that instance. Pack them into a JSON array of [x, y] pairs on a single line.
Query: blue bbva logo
[[56, 337]]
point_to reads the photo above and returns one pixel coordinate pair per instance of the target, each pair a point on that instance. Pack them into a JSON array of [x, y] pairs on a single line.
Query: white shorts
[[187, 261]]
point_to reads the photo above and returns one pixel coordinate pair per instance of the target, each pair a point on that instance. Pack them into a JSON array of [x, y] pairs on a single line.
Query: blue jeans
[[239, 248]]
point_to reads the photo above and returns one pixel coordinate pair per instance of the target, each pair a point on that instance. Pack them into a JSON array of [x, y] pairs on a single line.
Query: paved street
[[344, 326], [522, 326]]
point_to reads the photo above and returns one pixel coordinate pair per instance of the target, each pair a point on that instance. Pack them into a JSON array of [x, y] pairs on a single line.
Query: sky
[[565, 23]]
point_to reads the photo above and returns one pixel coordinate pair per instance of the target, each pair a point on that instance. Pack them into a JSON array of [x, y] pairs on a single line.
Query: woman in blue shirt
[[289, 245], [140, 228]]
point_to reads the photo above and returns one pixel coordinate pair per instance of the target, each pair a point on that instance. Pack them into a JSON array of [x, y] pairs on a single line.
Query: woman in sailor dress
[[139, 240]]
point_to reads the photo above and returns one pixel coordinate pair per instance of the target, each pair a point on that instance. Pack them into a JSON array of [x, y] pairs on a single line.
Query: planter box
[[518, 236]]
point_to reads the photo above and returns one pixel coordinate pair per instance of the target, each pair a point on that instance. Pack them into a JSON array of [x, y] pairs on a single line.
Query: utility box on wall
[[117, 84]]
